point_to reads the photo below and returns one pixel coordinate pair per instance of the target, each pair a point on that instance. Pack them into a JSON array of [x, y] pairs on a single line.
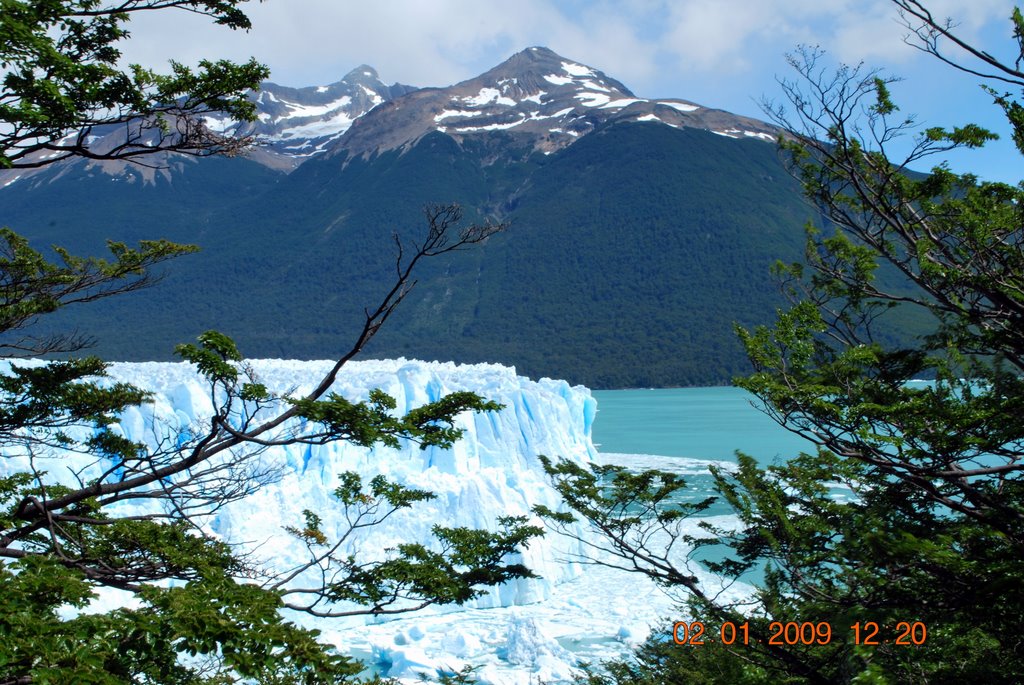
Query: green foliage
[[642, 244], [62, 77], [120, 515], [467, 561], [366, 423], [910, 510], [227, 628], [33, 286]]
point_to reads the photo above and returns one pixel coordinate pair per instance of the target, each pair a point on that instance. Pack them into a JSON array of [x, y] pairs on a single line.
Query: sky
[[727, 54]]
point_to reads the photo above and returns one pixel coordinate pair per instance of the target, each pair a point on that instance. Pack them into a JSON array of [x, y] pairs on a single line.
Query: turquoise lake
[[709, 424], [699, 423]]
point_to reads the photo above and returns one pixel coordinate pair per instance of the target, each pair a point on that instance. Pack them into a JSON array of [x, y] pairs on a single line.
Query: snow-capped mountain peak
[[549, 100], [298, 123], [545, 101]]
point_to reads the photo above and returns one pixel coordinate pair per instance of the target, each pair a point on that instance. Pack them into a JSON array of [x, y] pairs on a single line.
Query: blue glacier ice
[[492, 472], [519, 632]]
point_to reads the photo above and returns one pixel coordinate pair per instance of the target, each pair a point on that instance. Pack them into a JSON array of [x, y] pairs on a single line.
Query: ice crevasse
[[493, 471]]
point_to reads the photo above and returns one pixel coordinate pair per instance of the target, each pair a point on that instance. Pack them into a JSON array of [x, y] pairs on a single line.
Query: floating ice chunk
[[680, 465], [408, 662], [527, 643], [460, 643]]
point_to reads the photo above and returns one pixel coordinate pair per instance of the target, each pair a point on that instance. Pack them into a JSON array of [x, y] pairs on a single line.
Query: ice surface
[[522, 632], [494, 471], [680, 465], [335, 125]]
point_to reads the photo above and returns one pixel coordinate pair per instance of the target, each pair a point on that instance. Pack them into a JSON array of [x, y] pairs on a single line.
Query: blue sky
[[718, 53]]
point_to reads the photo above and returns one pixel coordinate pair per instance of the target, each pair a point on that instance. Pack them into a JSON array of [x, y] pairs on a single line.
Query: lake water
[[604, 612], [687, 429], [698, 423]]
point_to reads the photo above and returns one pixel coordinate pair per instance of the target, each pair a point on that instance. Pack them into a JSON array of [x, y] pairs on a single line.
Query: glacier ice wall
[[493, 471]]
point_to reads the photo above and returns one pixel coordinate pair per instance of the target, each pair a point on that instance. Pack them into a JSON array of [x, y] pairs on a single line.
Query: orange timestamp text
[[904, 633]]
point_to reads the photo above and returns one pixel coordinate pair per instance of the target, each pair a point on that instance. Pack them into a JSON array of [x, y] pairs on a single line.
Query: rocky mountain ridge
[[640, 229], [536, 94], [547, 102]]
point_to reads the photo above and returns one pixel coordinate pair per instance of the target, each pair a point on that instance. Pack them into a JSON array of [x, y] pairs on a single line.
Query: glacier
[[519, 632]]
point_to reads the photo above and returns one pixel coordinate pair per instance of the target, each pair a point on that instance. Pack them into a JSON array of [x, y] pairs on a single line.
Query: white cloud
[[642, 42]]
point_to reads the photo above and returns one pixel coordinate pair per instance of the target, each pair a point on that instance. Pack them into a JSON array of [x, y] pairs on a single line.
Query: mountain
[[640, 230], [293, 125], [536, 95]]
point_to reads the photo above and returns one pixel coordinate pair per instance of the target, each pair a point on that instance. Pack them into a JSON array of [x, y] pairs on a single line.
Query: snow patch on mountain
[[574, 69], [487, 96], [332, 126], [624, 102], [681, 106], [297, 110], [448, 113]]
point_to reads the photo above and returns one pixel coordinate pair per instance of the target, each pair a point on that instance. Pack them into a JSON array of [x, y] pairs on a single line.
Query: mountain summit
[[539, 100], [545, 99], [642, 229]]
